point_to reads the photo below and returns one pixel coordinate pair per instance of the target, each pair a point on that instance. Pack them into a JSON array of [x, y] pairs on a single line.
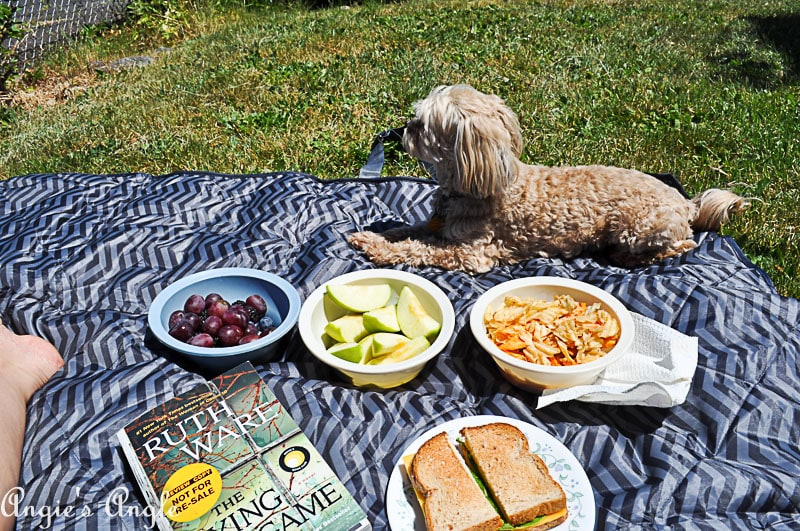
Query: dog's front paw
[[377, 248], [372, 244], [365, 240]]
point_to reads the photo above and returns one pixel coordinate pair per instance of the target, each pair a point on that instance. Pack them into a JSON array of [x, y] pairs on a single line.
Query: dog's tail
[[715, 207]]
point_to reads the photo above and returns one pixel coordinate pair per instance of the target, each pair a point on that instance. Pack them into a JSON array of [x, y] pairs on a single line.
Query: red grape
[[175, 317], [234, 317], [229, 335], [202, 340], [194, 321], [212, 298], [249, 338], [181, 331], [212, 324], [258, 303], [195, 304], [218, 307]]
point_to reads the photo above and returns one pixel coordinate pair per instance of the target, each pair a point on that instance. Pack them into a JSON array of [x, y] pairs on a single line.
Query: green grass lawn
[[708, 91]]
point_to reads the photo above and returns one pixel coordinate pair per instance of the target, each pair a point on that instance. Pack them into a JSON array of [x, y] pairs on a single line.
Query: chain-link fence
[[50, 23]]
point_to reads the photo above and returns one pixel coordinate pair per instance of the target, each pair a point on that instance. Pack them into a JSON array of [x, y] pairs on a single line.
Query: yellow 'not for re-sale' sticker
[[191, 492]]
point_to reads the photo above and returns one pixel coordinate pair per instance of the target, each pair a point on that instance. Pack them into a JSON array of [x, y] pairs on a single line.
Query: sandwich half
[[450, 498], [517, 479]]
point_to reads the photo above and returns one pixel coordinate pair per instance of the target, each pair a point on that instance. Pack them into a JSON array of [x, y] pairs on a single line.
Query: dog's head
[[472, 139]]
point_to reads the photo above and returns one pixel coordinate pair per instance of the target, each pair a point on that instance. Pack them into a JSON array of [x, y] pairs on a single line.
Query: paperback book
[[228, 456]]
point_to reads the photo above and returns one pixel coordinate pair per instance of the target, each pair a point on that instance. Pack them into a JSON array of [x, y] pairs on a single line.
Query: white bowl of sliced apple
[[377, 327]]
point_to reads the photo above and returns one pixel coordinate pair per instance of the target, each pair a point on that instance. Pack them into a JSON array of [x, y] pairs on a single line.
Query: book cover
[[228, 456]]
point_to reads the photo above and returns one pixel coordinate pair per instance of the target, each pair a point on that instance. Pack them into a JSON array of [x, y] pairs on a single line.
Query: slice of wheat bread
[[451, 499], [518, 479]]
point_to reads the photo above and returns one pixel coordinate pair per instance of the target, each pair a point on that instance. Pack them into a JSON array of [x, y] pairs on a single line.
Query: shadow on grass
[[781, 34], [324, 4]]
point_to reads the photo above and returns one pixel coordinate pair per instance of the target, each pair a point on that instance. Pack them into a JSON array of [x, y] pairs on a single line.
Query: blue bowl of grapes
[[222, 317]]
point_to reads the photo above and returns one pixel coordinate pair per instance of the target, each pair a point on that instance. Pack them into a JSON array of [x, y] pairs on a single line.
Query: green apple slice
[[347, 328], [412, 317], [415, 346], [385, 342], [353, 352], [383, 319], [360, 297], [366, 348]]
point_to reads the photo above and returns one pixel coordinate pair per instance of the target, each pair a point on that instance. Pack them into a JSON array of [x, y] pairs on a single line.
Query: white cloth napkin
[[657, 372]]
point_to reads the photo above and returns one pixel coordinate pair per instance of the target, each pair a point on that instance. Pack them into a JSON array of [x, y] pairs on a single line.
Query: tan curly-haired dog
[[492, 209]]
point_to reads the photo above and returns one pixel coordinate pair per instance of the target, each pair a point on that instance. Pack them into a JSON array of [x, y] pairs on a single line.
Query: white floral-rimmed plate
[[403, 510]]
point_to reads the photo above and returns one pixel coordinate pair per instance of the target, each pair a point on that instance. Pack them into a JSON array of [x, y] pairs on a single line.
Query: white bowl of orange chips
[[551, 332]]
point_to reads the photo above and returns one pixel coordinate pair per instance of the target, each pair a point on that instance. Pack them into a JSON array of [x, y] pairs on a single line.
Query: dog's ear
[[487, 148]]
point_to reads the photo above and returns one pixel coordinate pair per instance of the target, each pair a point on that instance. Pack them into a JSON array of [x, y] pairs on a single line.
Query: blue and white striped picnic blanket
[[83, 256]]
